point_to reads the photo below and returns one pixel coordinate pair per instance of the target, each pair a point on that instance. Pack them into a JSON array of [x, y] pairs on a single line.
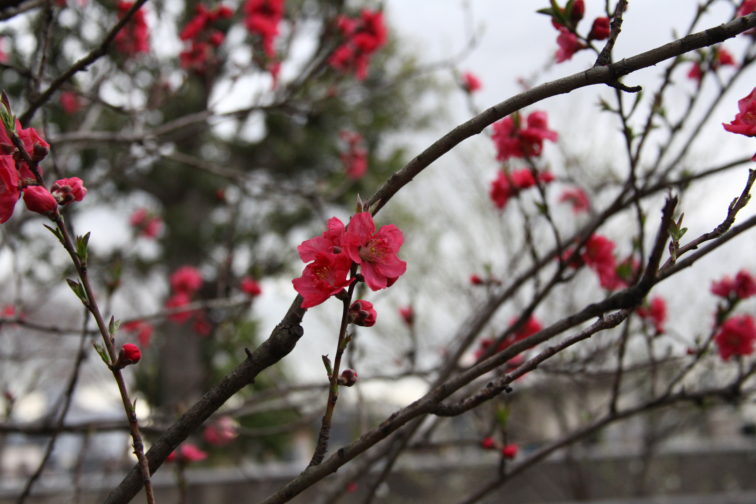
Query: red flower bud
[[600, 29], [362, 313], [510, 451], [488, 443], [129, 354], [348, 377], [38, 199]]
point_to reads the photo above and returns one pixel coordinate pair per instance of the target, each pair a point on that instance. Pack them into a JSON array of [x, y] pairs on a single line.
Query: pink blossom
[[501, 190], [568, 44], [354, 155], [470, 82], [746, 7], [9, 192], [745, 120], [742, 287], [375, 252], [696, 72], [201, 325], [187, 452], [262, 17], [577, 198], [250, 287], [528, 328], [512, 140], [179, 300], [363, 36], [655, 312], [146, 223], [38, 199], [68, 190], [408, 315], [723, 57], [134, 38], [522, 179], [186, 279], [69, 101], [142, 329], [736, 336], [599, 256], [322, 278], [222, 431]]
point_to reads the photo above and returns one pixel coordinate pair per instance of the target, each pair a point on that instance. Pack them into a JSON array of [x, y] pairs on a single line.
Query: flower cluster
[[141, 329], [736, 336], [262, 17], [514, 141], [508, 451], [332, 254], [353, 155], [598, 255], [745, 120], [741, 287], [145, 223], [134, 37], [185, 282], [710, 61], [202, 35], [17, 176], [655, 312], [508, 185], [527, 329], [363, 36], [566, 19]]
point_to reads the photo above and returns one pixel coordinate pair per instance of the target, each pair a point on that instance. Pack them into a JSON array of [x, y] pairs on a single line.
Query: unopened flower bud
[[129, 354], [488, 443], [348, 377], [39, 152], [362, 313], [38, 199], [510, 451]]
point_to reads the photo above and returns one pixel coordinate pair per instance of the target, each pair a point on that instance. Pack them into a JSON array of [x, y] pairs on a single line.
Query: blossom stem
[[333, 390], [91, 305]]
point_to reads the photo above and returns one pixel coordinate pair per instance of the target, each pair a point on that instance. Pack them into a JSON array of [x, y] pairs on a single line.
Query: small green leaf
[[502, 416], [82, 247], [102, 353], [113, 326], [78, 290], [56, 232]]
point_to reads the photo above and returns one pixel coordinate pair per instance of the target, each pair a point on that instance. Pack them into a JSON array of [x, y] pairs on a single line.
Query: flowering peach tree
[[118, 113]]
